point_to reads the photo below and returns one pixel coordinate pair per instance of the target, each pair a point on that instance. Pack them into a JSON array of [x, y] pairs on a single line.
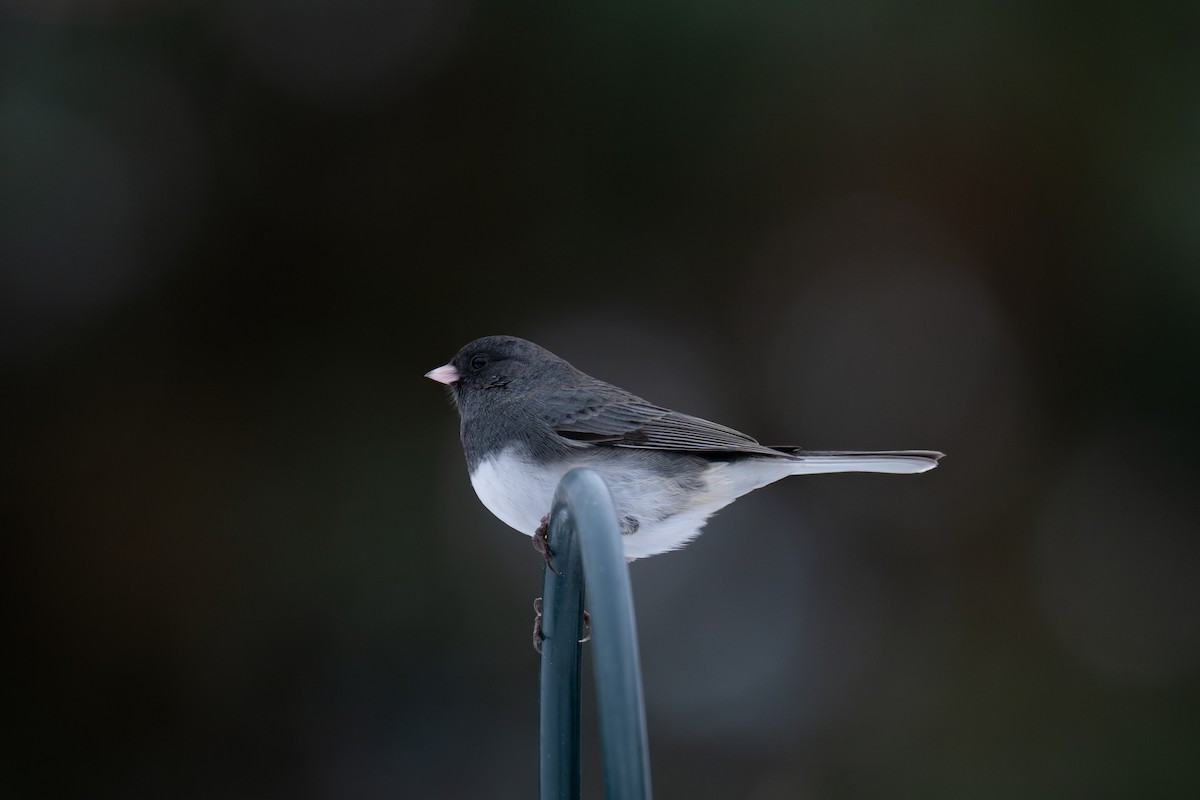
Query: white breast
[[517, 492]]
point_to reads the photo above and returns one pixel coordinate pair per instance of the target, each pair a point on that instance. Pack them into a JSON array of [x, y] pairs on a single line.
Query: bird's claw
[[541, 543], [538, 636]]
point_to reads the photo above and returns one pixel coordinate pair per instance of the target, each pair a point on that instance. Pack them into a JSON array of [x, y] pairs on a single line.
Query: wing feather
[[603, 414]]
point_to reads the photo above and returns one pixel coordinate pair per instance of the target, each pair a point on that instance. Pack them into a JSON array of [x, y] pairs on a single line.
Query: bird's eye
[[478, 363]]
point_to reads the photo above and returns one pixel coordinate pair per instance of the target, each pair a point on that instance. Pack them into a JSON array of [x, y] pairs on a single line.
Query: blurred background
[[245, 560]]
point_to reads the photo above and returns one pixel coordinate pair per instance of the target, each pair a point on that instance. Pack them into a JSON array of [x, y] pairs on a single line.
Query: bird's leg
[[538, 637], [587, 627], [541, 542]]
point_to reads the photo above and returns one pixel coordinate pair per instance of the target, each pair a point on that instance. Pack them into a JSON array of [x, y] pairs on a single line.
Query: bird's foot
[[538, 636], [541, 542]]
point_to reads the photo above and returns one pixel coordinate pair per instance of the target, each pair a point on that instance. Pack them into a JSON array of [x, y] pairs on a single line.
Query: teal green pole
[[584, 527], [562, 627]]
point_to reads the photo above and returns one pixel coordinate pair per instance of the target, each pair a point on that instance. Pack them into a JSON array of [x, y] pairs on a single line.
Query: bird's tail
[[899, 462]]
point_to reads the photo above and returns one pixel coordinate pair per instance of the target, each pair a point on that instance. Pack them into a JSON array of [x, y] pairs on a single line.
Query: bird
[[527, 417]]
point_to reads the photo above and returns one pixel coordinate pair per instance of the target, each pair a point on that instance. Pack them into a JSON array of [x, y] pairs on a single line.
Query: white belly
[[518, 493]]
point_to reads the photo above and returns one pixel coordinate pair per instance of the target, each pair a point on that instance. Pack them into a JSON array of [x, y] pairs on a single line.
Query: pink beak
[[446, 374]]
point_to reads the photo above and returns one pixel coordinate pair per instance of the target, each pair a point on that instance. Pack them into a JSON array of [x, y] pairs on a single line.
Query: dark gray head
[[499, 384], [504, 368]]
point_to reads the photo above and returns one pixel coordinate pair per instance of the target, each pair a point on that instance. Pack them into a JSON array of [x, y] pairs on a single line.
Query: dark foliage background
[[245, 560]]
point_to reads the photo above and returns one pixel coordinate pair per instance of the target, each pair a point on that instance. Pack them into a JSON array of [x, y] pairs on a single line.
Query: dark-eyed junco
[[528, 418]]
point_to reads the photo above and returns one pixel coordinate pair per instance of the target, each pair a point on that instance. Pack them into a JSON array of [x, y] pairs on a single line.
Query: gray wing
[[606, 415]]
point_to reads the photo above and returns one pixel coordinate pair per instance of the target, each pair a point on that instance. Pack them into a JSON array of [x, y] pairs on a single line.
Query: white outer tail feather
[[899, 462]]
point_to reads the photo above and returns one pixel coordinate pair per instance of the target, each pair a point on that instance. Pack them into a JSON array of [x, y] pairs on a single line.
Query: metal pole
[[584, 528], [562, 627]]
